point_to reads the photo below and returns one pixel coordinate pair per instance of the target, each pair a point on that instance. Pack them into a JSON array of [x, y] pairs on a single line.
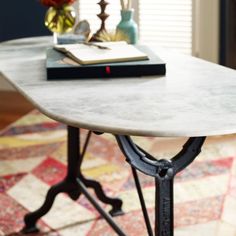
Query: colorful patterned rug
[[33, 157]]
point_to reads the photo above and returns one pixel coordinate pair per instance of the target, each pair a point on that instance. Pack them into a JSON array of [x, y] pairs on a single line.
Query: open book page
[[106, 52]]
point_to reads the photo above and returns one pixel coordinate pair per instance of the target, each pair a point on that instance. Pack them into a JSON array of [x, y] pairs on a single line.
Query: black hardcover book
[[60, 68]]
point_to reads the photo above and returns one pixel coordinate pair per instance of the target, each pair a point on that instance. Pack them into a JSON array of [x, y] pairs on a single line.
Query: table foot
[[30, 229], [71, 184], [63, 187], [73, 190], [115, 203], [97, 206]]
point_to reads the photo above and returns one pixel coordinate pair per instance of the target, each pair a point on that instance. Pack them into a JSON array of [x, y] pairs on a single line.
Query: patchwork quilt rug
[[33, 157]]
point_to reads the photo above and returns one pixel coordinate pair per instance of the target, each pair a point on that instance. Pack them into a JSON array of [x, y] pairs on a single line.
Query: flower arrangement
[[60, 17], [56, 3]]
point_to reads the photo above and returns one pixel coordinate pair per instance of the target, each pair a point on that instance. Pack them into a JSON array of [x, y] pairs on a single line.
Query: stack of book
[[102, 60]]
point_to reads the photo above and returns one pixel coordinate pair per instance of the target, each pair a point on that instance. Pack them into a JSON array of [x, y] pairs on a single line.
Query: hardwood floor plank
[[12, 107]]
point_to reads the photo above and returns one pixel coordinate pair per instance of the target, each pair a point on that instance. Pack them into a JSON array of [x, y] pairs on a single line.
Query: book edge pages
[[101, 61]]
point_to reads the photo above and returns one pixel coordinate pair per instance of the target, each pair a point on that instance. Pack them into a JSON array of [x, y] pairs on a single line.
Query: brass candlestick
[[102, 16]]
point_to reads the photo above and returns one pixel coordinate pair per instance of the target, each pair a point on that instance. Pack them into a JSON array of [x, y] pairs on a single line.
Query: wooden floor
[[12, 106]]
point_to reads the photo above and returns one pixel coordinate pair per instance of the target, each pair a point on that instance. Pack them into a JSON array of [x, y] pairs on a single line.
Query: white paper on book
[[91, 54]]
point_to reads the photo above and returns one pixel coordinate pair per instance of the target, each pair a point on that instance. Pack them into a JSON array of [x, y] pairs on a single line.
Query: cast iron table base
[[162, 170], [74, 185]]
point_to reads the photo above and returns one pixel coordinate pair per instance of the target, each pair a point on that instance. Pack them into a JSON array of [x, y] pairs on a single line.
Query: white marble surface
[[195, 98]]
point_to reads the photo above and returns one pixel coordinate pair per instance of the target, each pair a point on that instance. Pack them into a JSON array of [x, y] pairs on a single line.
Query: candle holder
[[102, 16]]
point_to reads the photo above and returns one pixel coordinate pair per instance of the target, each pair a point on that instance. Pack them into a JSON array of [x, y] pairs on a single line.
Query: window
[[165, 22]]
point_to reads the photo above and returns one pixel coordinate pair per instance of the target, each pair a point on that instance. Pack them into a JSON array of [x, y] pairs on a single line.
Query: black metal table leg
[[164, 224], [116, 203], [31, 218], [106, 216], [164, 172], [142, 201], [70, 184]]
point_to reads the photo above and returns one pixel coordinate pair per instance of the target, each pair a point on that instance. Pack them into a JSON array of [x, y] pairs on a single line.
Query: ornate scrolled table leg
[[164, 172], [73, 184]]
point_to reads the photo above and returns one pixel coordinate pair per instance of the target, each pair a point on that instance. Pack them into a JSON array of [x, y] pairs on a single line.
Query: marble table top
[[195, 98]]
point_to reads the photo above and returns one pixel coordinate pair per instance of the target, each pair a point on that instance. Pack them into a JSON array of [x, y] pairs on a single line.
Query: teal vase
[[128, 26]]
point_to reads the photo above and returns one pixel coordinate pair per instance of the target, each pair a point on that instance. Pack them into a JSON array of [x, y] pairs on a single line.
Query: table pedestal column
[[164, 172]]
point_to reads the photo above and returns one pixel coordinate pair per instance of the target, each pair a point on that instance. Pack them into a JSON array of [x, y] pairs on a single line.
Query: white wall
[[4, 85], [206, 29]]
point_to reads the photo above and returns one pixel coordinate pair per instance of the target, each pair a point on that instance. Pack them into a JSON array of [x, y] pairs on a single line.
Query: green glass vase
[[60, 20], [128, 26]]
